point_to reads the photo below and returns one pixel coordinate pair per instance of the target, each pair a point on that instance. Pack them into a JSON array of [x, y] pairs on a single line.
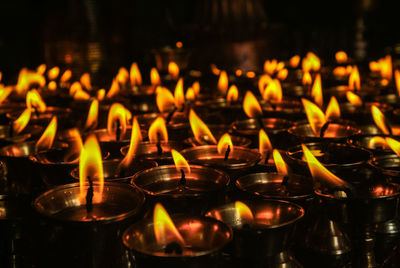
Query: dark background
[[99, 36]]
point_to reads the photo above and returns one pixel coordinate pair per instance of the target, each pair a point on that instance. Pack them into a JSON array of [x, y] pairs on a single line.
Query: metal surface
[[236, 141], [252, 126]]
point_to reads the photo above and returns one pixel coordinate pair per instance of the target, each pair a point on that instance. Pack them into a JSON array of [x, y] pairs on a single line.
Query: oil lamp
[[177, 241]]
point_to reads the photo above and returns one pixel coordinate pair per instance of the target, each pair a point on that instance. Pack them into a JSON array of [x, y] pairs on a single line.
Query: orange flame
[[4, 93], [251, 106], [91, 121], [179, 95], [164, 228], [376, 142], [282, 74], [354, 98], [117, 113], [180, 162], [270, 66], [340, 71], [196, 87], [135, 76], [66, 76], [307, 79], [101, 93], [394, 145], [263, 82], [294, 61], [374, 66], [354, 79], [52, 85], [90, 165], [273, 92], [47, 138], [379, 119], [158, 130], [233, 94], [238, 72], [250, 74], [75, 87], [27, 79], [136, 138], [280, 164], [214, 69], [311, 62], [243, 211], [81, 95], [199, 129], [223, 144], [341, 57], [316, 91], [179, 44], [190, 95], [22, 121], [114, 89], [396, 78], [264, 143], [164, 99], [318, 171], [35, 101], [41, 69], [155, 77], [315, 116], [223, 82], [333, 110], [122, 75], [53, 73], [75, 146], [173, 70], [386, 67]]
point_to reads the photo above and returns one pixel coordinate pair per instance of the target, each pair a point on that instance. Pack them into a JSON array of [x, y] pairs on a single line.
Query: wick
[[159, 148], [389, 127], [260, 122], [118, 131], [35, 110], [173, 247], [228, 150], [272, 105], [170, 114], [182, 181], [267, 156], [11, 132], [89, 197]]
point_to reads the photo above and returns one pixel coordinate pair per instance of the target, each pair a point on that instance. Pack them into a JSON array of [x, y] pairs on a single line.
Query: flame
[[379, 119], [135, 76], [264, 143], [376, 142], [282, 74], [155, 77], [250, 74], [27, 79], [81, 95], [22, 121], [101, 93], [164, 228], [294, 61], [263, 82], [4, 93], [354, 79], [179, 44], [47, 138], [223, 82], [311, 62], [238, 72], [41, 69], [307, 79], [117, 113], [190, 95], [91, 121], [316, 91], [114, 89], [35, 101], [196, 87], [164, 99], [318, 171], [251, 106], [233, 94], [122, 75], [214, 69], [75, 87], [270, 66], [333, 110], [341, 57], [179, 95], [393, 144], [53, 73], [315, 116], [223, 144], [396, 79], [173, 70], [374, 66], [52, 85], [66, 76], [180, 162], [243, 211], [280, 163], [75, 146], [353, 98], [90, 165], [158, 130], [386, 67], [199, 129], [136, 138], [340, 71], [273, 92]]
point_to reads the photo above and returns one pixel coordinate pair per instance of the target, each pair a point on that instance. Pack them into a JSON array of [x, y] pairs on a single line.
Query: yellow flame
[[379, 119], [393, 144], [179, 95], [341, 57], [294, 61], [263, 82], [35, 101], [52, 85], [158, 130], [396, 78], [311, 62], [164, 99], [340, 71], [190, 95], [354, 98], [316, 91], [48, 136], [90, 165], [196, 87], [386, 67], [374, 66], [155, 77], [270, 66], [114, 89], [280, 164], [28, 79], [282, 74], [180, 162], [81, 95], [75, 146], [307, 79], [101, 93], [116, 113], [66, 76], [135, 76], [41, 69], [4, 93], [376, 142], [354, 79], [136, 138], [122, 75], [22, 121], [53, 73], [199, 128], [243, 211], [91, 121], [173, 70], [165, 230], [233, 94], [264, 143], [251, 106], [273, 92], [315, 116], [223, 144], [333, 110], [223, 82]]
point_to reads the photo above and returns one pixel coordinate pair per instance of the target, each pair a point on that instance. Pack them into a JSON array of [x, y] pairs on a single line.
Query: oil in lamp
[[176, 241]]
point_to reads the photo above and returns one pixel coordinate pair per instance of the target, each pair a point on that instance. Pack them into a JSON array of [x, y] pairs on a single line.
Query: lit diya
[[183, 187], [177, 241], [389, 163]]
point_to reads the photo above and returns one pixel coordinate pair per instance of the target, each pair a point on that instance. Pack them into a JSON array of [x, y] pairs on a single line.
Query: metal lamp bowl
[[252, 126], [236, 141], [304, 132]]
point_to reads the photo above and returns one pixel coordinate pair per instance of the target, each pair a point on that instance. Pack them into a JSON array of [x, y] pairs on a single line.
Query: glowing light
[[180, 162], [48, 136], [223, 82], [135, 76], [251, 106], [158, 130], [199, 128], [280, 163], [223, 144]]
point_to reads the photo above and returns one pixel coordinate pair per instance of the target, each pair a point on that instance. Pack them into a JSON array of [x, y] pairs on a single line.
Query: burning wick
[[118, 131], [159, 148], [170, 114], [182, 181], [89, 198], [228, 150]]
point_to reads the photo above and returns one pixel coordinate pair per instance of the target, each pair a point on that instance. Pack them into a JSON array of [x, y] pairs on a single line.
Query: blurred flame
[[386, 67], [243, 211], [264, 143], [250, 74], [270, 66], [158, 130], [333, 110], [251, 106], [340, 71], [179, 95], [180, 162], [35, 101], [282, 74], [27, 78], [394, 145], [354, 79], [379, 119], [233, 94], [223, 144], [81, 95], [196, 87], [354, 98], [396, 78], [41, 69], [114, 89], [273, 92], [341, 57], [164, 99], [22, 121], [280, 163], [223, 82], [75, 146], [90, 165], [190, 95], [214, 69], [66, 76], [316, 91], [91, 121], [53, 73], [155, 77], [238, 72], [374, 66], [164, 228], [101, 93], [376, 142], [311, 62], [294, 61], [307, 79], [173, 70], [136, 138], [52, 85], [315, 116], [116, 113], [75, 87], [47, 138], [179, 44], [263, 82], [122, 75], [4, 93], [199, 128], [135, 76]]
